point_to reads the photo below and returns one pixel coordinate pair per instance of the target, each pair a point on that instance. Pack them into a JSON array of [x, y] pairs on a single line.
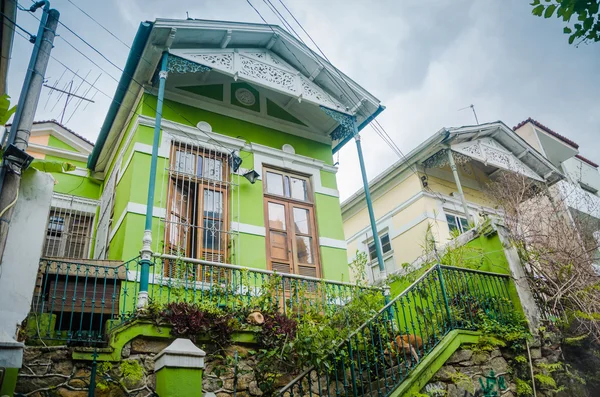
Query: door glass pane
[[213, 204], [298, 187], [274, 183], [213, 169], [184, 162], [276, 216], [304, 246], [279, 246], [301, 221], [465, 224], [212, 234], [179, 204]]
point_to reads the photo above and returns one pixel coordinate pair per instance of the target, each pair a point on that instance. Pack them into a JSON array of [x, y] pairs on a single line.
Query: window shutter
[[106, 204]]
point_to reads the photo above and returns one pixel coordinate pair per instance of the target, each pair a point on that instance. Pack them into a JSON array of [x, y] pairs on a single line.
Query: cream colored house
[[439, 185]]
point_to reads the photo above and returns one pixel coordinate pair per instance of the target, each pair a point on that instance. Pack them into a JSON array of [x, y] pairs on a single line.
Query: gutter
[[133, 59]]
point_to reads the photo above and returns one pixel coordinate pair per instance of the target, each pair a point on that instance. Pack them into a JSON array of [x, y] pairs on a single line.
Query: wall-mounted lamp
[[16, 159], [251, 176], [235, 161]]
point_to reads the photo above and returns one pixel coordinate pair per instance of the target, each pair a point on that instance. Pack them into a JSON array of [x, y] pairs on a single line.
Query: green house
[[228, 130]]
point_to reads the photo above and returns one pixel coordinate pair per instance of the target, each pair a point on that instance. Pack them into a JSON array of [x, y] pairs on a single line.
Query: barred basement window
[[197, 219], [69, 227]]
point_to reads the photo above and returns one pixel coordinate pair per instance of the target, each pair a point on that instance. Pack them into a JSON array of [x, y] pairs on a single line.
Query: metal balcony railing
[[80, 302], [381, 354]]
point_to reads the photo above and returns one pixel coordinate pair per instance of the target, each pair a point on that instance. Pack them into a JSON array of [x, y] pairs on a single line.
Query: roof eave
[[133, 59]]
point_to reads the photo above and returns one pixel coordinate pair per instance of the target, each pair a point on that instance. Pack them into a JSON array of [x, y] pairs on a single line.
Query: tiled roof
[[62, 126], [547, 130], [590, 162]]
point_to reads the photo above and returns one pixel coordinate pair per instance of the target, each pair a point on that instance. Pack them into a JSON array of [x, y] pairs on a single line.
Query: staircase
[[380, 355]]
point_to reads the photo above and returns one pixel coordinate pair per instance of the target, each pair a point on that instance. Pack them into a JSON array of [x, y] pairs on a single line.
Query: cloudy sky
[[424, 59]]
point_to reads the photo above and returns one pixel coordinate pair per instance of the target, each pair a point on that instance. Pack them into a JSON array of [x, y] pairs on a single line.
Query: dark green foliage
[[584, 12]]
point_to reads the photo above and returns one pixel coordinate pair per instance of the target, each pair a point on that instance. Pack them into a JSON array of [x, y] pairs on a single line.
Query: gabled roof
[[63, 128], [179, 36], [447, 137], [548, 131]]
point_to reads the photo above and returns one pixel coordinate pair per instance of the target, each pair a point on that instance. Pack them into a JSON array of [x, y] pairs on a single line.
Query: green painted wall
[[251, 249], [328, 179], [57, 143], [329, 217], [190, 115], [334, 264]]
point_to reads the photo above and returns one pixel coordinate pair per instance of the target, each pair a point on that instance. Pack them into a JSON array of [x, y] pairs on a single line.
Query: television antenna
[[69, 95], [473, 109]]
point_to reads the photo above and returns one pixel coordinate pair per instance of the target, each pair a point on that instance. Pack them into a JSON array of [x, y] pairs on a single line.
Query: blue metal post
[[146, 252], [363, 172]]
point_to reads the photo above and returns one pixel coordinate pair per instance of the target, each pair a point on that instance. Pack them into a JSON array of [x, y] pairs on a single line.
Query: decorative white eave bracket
[[264, 68], [489, 151]]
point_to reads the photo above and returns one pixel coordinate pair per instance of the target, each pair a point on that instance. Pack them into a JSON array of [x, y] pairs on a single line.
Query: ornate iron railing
[[379, 355], [195, 280], [80, 302]]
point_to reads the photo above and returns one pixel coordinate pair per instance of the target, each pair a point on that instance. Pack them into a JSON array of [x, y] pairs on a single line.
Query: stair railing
[[377, 357]]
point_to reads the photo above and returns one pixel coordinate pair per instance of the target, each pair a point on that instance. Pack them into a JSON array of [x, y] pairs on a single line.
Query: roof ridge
[[62, 126], [547, 130]]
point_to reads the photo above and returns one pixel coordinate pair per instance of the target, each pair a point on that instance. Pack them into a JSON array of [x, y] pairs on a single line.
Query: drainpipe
[[363, 172], [458, 184], [146, 251]]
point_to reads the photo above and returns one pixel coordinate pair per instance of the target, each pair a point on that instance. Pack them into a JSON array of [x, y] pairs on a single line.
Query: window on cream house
[[457, 222], [386, 251]]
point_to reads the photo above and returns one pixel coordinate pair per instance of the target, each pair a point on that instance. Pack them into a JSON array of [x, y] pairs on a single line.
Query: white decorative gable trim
[[489, 151], [262, 67]]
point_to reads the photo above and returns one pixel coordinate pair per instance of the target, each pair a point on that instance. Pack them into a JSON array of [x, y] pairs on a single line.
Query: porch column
[[458, 184], [363, 172], [146, 251]]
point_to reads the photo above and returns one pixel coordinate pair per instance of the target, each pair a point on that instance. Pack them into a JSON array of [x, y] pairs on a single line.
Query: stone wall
[[477, 371], [51, 371]]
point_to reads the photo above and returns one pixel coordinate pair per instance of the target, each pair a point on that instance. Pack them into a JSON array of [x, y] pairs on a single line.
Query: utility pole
[[10, 173]]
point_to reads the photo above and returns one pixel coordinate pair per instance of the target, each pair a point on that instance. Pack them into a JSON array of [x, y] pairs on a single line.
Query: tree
[[586, 12], [557, 245]]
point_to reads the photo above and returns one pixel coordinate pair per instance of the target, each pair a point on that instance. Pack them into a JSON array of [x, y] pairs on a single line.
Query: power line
[[377, 127], [211, 139], [99, 24]]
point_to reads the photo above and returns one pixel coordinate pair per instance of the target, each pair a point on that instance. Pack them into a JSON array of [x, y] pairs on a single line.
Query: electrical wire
[[377, 127], [99, 24], [193, 138]]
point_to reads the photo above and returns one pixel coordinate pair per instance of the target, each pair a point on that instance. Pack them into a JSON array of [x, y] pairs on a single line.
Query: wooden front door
[[291, 230]]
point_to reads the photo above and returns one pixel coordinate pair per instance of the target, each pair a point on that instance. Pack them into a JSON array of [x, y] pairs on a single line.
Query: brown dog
[[407, 344]]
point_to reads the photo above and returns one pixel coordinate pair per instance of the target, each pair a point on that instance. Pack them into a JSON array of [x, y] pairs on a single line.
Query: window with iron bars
[[69, 227], [197, 217]]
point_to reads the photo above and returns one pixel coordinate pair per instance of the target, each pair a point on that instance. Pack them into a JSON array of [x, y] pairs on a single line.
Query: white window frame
[[457, 218], [71, 206], [388, 258]]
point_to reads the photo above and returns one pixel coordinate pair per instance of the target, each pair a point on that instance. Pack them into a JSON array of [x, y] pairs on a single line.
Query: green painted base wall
[[7, 388], [179, 382], [421, 375]]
